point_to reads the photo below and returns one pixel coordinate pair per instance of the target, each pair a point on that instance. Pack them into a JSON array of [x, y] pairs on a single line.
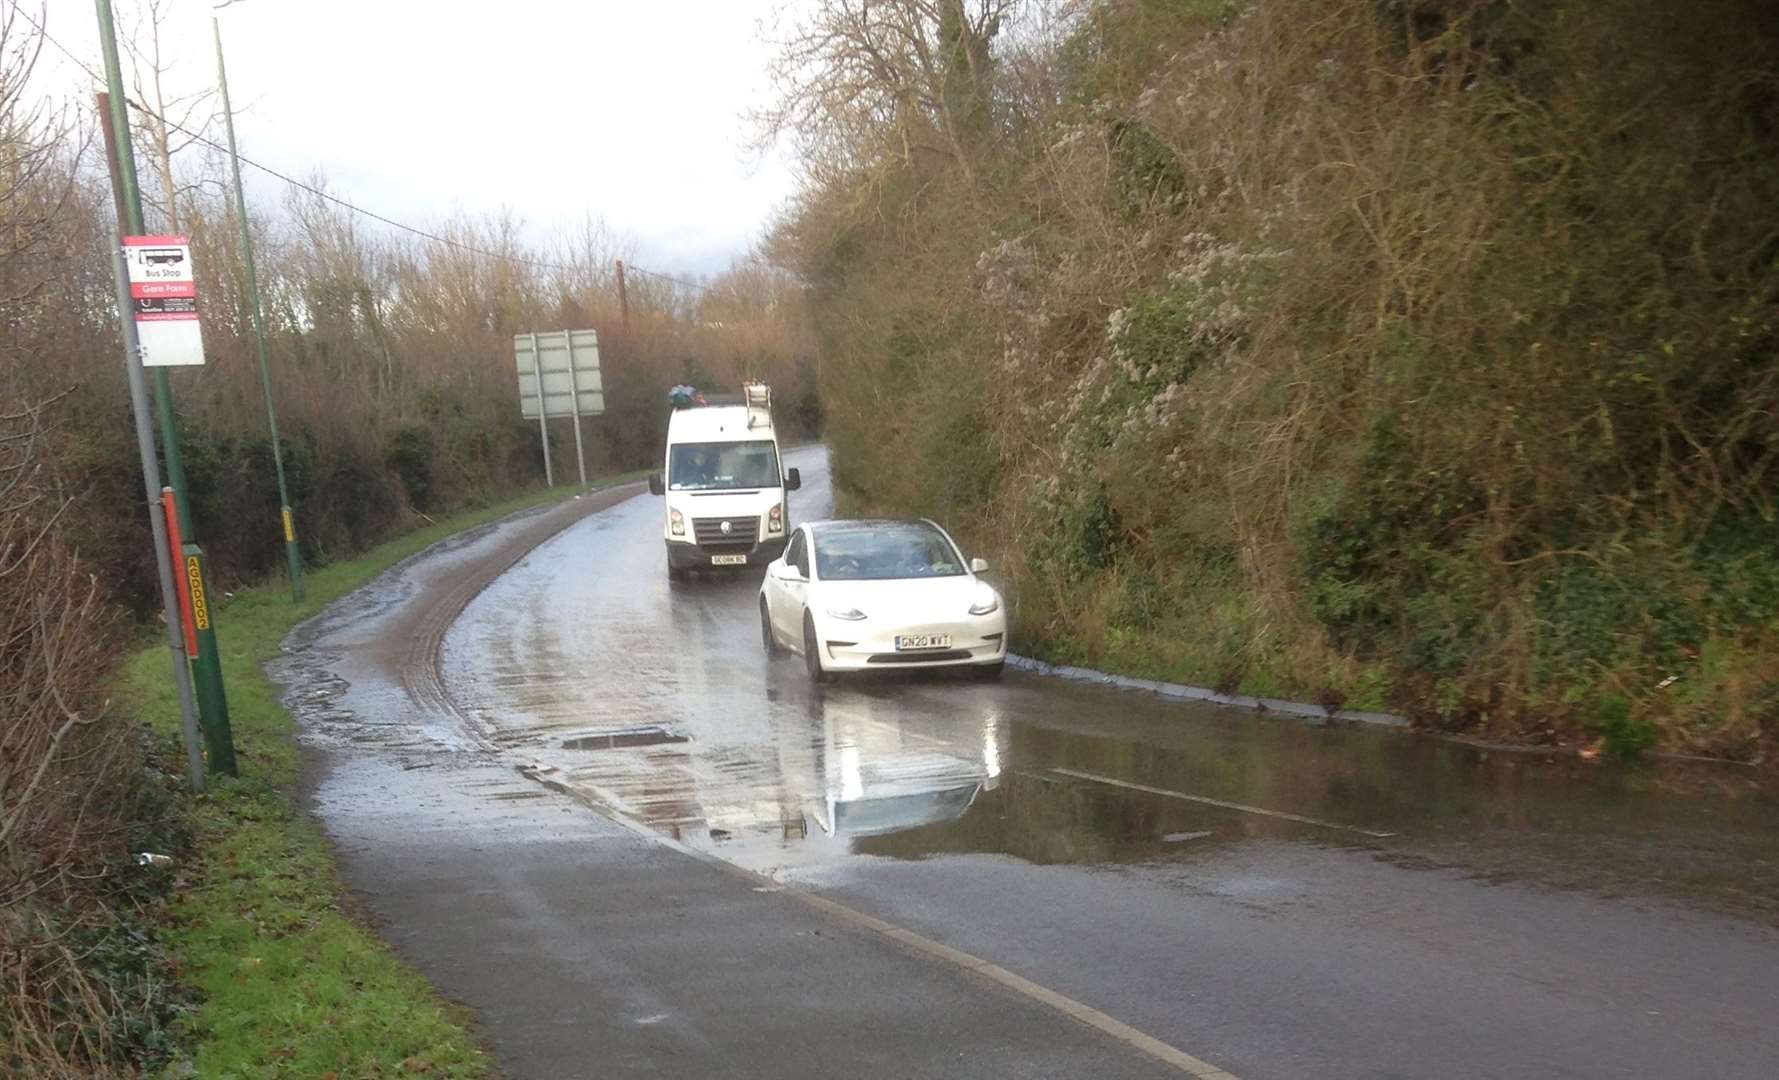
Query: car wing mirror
[[978, 566], [793, 480], [655, 485]]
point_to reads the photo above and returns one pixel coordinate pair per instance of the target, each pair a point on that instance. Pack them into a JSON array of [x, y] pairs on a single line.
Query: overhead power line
[[321, 193], [667, 277]]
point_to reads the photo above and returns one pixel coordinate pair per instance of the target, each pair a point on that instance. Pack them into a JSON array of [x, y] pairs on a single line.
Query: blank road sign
[[569, 360]]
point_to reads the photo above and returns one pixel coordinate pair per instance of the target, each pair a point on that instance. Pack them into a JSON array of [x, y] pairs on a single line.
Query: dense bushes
[[1411, 354], [86, 991]]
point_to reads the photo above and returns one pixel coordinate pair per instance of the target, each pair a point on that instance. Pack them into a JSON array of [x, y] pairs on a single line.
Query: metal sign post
[[559, 376], [543, 426], [574, 400], [174, 316], [157, 524], [293, 557]]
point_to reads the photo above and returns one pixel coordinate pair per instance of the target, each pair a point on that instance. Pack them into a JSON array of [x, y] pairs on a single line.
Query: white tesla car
[[878, 595]]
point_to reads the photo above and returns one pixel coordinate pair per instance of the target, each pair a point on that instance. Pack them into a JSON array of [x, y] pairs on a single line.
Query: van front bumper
[[686, 556]]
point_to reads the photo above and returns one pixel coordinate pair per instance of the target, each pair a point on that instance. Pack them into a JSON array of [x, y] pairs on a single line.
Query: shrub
[[1420, 346]]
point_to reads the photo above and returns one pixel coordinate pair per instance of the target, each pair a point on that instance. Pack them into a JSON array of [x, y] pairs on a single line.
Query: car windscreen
[[722, 466], [884, 551]]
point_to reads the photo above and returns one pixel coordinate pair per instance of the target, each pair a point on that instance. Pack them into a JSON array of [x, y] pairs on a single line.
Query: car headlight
[[775, 519], [676, 523], [850, 614], [987, 600]]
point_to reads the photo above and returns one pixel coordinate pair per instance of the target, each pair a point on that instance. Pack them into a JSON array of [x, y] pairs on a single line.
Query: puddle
[[624, 739], [729, 752]]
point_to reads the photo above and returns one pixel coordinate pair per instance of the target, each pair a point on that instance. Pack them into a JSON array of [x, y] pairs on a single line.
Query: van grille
[[742, 534]]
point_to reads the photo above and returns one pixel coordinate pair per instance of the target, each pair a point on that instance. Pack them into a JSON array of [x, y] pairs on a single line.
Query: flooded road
[[1285, 898]]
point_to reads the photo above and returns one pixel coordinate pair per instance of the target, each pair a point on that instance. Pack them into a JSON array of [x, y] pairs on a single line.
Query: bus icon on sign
[[162, 256]]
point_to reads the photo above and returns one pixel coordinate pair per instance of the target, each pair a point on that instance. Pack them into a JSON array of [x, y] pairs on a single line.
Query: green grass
[[290, 985]]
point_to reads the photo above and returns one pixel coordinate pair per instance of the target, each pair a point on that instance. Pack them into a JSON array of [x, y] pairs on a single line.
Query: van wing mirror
[[978, 566], [655, 485], [793, 479]]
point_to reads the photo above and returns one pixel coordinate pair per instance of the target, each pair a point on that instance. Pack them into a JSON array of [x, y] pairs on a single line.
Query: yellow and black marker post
[[213, 702]]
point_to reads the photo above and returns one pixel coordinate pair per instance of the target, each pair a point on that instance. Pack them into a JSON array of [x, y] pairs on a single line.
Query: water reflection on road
[[587, 638]]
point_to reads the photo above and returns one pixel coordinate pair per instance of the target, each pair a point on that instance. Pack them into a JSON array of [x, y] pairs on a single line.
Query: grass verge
[[289, 984]]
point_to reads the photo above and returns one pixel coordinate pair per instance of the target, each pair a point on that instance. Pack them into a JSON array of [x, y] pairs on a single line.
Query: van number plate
[[728, 560], [923, 641]]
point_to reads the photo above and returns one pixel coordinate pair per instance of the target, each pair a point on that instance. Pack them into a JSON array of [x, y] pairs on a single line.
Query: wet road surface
[[1279, 897], [587, 949]]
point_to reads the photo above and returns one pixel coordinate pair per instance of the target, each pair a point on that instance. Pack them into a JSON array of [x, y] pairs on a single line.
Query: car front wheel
[[767, 637], [812, 653]]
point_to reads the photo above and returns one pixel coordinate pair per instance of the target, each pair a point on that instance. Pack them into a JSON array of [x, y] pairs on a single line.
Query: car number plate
[[728, 560], [923, 641]]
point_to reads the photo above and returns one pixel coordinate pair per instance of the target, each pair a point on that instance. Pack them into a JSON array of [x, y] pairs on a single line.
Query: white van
[[724, 484]]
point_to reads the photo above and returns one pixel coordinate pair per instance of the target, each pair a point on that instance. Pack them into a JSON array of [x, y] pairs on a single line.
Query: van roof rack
[[757, 396]]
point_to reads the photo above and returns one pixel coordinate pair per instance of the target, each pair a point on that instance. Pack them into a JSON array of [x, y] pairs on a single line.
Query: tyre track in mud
[[418, 665]]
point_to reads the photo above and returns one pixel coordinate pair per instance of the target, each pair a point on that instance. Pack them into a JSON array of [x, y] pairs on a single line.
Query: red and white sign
[[164, 293]]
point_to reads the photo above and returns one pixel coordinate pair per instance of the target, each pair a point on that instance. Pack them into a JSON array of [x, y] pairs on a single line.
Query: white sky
[[630, 110]]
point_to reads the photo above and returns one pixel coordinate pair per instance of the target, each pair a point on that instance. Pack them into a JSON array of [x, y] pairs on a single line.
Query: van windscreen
[[722, 466]]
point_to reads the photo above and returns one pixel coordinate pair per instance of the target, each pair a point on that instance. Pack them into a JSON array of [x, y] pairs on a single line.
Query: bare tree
[[862, 79], [32, 128], [177, 120]]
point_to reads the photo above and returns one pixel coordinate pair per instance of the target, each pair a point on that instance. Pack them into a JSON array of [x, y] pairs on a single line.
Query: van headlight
[[987, 601], [775, 519], [676, 523]]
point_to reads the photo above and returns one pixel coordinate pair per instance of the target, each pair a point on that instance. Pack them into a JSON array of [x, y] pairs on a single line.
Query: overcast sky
[[632, 111]]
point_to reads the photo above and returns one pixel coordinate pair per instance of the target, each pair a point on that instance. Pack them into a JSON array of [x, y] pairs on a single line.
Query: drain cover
[[647, 735]]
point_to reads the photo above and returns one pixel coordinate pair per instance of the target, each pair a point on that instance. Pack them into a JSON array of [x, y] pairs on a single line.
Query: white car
[[881, 595]]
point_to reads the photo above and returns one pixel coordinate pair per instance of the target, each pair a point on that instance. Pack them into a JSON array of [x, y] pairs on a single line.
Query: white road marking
[[1107, 1025], [1104, 1023], [1208, 801]]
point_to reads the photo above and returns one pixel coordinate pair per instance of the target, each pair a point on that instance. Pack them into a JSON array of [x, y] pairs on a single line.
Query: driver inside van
[[698, 470]]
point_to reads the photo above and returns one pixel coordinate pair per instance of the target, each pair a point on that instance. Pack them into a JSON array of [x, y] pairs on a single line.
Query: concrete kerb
[[1181, 692]]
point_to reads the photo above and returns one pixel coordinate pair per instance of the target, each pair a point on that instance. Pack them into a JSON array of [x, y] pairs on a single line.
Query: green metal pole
[[292, 555], [213, 705]]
